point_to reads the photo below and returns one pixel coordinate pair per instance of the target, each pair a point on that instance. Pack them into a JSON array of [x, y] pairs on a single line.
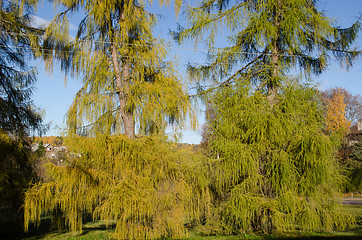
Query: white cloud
[[38, 21], [72, 27], [41, 22]]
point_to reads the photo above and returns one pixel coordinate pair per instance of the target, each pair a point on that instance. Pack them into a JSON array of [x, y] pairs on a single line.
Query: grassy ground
[[91, 231], [98, 230]]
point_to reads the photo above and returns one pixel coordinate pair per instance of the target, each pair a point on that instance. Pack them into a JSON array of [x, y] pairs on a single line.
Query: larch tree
[[146, 187], [266, 40], [143, 185], [126, 82], [273, 168]]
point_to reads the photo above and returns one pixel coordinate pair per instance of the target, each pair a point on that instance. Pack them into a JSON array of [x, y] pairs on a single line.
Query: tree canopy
[[267, 40], [268, 163], [336, 113], [145, 186], [19, 42], [19, 118], [126, 83], [353, 108], [273, 170], [266, 131]]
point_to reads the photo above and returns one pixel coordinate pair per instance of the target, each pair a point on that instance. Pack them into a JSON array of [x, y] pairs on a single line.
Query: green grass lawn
[[98, 230], [353, 209]]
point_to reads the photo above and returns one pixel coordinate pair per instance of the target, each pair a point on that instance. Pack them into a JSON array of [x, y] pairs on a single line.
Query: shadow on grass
[[14, 230], [97, 226], [322, 238], [352, 234]]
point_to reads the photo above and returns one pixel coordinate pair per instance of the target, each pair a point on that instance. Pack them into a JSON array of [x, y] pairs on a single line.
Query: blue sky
[[54, 95]]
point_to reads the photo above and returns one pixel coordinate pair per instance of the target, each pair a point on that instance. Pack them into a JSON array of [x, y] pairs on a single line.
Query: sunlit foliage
[[353, 102], [274, 168], [147, 187], [266, 39], [126, 83], [336, 112], [342, 108], [271, 163]]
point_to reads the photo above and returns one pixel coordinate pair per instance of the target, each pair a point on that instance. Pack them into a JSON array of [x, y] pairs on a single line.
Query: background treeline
[[273, 158], [55, 141]]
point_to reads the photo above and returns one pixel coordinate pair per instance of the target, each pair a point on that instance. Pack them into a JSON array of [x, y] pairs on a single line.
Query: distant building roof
[[34, 147], [48, 147]]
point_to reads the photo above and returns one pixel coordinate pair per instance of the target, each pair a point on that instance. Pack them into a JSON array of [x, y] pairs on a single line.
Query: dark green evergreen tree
[[354, 165], [19, 42]]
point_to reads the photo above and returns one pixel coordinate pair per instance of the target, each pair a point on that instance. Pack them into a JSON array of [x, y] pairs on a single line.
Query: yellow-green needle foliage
[[274, 168], [126, 83], [145, 186], [266, 40]]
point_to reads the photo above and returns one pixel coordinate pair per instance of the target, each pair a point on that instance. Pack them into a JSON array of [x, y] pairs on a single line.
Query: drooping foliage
[[19, 42], [274, 167], [126, 82], [145, 186], [266, 40], [350, 157], [271, 166]]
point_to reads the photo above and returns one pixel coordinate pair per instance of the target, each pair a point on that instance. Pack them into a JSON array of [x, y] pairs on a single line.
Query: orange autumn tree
[[336, 120]]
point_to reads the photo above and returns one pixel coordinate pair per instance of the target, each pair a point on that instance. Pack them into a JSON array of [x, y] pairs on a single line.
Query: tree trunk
[[122, 84], [272, 84], [272, 88]]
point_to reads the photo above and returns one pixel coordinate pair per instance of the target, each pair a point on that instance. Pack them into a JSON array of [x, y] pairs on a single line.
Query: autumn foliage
[[336, 120]]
